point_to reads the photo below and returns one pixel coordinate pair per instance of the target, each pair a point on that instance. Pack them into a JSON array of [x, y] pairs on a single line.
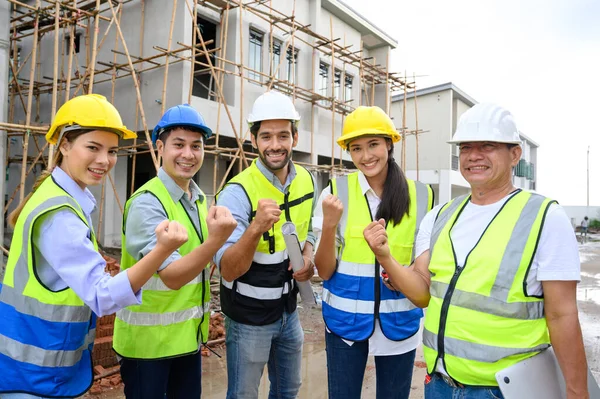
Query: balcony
[[454, 162]]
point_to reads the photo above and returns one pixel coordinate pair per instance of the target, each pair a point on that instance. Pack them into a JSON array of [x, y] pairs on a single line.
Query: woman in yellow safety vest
[[55, 283], [363, 313]]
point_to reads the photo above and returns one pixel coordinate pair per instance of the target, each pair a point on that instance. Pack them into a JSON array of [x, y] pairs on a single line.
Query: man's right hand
[[220, 223], [170, 235], [332, 211], [267, 215]]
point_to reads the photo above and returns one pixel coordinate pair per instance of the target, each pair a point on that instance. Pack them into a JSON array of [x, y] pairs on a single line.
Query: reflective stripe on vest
[[260, 296], [46, 337], [480, 320], [169, 322], [350, 298]]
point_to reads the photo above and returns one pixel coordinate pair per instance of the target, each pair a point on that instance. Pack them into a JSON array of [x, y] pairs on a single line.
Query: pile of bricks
[[103, 355]]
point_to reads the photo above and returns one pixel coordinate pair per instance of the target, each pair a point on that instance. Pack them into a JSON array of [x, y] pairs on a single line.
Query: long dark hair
[[395, 201]]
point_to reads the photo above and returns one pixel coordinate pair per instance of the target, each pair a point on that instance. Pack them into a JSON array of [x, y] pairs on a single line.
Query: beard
[[275, 166]]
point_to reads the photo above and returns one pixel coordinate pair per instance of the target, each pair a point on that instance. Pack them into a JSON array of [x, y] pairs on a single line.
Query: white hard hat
[[486, 122], [273, 105]]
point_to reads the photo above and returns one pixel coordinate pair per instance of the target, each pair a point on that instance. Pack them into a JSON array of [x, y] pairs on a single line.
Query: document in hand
[[290, 236], [538, 377]]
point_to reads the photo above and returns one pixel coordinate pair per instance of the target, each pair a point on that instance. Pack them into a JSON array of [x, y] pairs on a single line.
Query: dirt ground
[[314, 365]]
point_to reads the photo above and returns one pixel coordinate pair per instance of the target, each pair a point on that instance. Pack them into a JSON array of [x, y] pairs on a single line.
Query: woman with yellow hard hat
[[55, 284], [363, 313]]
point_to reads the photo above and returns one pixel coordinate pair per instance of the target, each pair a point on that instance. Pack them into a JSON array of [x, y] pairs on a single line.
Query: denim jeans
[[346, 370], [173, 378], [249, 348], [438, 389]]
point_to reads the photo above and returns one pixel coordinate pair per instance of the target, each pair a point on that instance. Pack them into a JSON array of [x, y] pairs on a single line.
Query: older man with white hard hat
[[497, 269]]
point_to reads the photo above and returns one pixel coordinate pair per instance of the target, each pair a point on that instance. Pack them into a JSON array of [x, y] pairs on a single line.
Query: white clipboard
[[290, 236], [538, 377]]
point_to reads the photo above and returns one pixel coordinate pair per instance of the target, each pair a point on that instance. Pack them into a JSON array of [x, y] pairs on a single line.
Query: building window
[[76, 43], [204, 84], [323, 79], [276, 58], [454, 162], [337, 83], [292, 61], [347, 88], [255, 54]]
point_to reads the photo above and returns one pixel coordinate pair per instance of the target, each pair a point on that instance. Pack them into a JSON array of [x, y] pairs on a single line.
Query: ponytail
[[58, 158], [395, 201]]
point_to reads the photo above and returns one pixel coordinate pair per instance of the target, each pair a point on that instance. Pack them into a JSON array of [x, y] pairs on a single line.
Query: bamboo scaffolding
[[29, 103], [73, 17]]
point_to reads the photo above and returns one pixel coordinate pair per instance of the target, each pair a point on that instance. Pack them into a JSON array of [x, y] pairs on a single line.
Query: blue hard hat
[[181, 116]]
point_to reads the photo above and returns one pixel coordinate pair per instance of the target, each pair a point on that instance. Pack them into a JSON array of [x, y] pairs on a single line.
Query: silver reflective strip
[[272, 259], [258, 292], [356, 269], [42, 357], [422, 205], [511, 260], [161, 319], [342, 194], [33, 307], [366, 307], [442, 219], [156, 284], [473, 351], [489, 305]]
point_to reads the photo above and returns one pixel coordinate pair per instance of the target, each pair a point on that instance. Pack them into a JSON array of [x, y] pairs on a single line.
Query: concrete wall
[[435, 119], [4, 60]]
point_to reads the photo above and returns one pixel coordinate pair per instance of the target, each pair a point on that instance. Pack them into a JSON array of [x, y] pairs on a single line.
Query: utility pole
[[587, 205]]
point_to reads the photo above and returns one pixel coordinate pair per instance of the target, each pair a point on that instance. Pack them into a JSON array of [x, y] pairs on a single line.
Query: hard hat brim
[[126, 134], [343, 141], [483, 139], [205, 130]]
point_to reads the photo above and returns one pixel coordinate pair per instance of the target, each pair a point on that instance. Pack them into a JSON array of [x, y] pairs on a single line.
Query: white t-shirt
[[379, 344], [556, 258]]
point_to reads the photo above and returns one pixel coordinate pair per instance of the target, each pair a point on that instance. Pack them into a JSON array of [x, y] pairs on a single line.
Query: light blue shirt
[[234, 198], [146, 212], [65, 256]]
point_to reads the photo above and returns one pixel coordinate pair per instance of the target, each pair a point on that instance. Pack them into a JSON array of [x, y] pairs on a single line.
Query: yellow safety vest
[[168, 322], [260, 296], [46, 337], [355, 295], [480, 318]]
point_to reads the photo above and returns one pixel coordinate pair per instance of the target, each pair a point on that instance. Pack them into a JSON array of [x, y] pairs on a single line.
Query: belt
[[449, 380]]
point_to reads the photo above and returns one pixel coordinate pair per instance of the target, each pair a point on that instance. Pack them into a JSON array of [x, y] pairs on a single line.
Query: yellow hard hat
[[367, 121], [89, 111]]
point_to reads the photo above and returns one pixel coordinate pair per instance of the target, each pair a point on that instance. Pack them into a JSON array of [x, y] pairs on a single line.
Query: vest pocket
[[401, 252]]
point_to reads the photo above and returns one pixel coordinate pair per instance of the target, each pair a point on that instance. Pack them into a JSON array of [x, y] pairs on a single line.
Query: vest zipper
[[444, 311]]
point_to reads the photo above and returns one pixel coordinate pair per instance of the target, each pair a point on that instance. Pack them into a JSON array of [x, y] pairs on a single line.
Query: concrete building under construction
[[218, 55]]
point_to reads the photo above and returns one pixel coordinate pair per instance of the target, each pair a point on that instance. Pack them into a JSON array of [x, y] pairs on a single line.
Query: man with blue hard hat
[[158, 341]]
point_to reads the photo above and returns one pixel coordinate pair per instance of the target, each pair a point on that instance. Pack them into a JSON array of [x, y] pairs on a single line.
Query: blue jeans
[[438, 389], [173, 378], [346, 370], [249, 348]]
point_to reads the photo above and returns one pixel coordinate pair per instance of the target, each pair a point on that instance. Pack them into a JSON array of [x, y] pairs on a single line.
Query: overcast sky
[[539, 59]]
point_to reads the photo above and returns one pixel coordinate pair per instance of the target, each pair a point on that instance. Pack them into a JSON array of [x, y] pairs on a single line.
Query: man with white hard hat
[[258, 290], [497, 269]]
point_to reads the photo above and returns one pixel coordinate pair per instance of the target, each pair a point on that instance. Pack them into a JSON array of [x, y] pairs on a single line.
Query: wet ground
[[314, 365]]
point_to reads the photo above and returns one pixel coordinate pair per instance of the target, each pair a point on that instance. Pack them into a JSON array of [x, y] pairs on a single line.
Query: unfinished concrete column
[[4, 59]]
